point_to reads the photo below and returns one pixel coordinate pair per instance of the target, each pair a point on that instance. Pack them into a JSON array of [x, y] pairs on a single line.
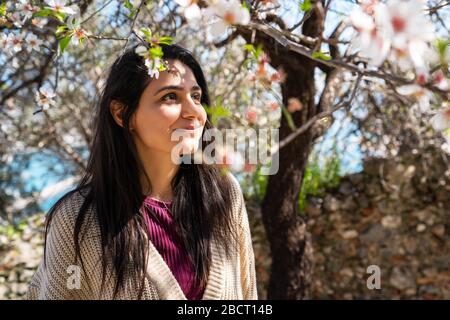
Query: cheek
[[153, 126], [204, 116]]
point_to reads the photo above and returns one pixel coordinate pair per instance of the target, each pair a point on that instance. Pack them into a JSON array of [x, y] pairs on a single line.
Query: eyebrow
[[179, 88]]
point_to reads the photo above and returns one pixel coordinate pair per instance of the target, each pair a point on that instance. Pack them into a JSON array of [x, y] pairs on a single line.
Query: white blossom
[[16, 17], [45, 98], [422, 95], [142, 51], [192, 11], [33, 42], [153, 64], [398, 30], [5, 42], [26, 9], [40, 22], [60, 6], [78, 34], [229, 12], [267, 6], [404, 22], [369, 40], [135, 3], [441, 120], [15, 41], [440, 81]]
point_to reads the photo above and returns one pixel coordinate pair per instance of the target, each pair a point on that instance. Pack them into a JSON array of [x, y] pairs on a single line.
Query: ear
[[115, 107]]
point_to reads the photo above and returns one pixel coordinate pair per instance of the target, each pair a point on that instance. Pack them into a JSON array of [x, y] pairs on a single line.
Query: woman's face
[[168, 106]]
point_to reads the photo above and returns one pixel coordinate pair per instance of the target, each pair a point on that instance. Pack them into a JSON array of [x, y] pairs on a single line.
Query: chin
[[188, 149]]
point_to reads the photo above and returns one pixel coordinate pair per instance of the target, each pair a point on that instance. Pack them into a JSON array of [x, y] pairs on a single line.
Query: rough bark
[[290, 242]]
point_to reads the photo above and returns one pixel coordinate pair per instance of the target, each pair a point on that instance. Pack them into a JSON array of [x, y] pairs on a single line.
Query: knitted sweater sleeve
[[246, 253], [59, 277]]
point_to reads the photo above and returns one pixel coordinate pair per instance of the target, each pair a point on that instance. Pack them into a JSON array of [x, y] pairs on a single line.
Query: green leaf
[[63, 43], [82, 40], [61, 29], [256, 52], [221, 111], [3, 9], [320, 177], [22, 226], [305, 5], [128, 5], [260, 182], [441, 46], [156, 52], [217, 111], [162, 67], [10, 231], [320, 55], [43, 13], [147, 32], [165, 40], [49, 12], [249, 47], [60, 16], [132, 13], [245, 6]]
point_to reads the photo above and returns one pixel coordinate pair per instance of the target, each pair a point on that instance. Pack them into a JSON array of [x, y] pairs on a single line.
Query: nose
[[191, 110]]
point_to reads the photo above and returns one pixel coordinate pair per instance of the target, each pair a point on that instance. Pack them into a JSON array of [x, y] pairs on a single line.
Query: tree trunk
[[290, 243]]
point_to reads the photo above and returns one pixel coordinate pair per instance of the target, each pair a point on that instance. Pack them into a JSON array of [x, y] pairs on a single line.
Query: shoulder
[[51, 278], [64, 227], [66, 211], [236, 190], [68, 206], [237, 198]]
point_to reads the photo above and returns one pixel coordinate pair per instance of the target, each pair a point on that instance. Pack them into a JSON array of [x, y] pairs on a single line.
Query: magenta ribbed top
[[170, 247]]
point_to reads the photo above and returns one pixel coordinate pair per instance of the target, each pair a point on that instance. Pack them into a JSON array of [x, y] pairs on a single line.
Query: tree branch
[[306, 52], [318, 116]]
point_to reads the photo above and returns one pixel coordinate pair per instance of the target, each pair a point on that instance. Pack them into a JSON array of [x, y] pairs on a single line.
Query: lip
[[189, 128]]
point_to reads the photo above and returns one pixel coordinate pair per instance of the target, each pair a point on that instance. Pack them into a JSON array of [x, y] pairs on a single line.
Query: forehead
[[177, 74]]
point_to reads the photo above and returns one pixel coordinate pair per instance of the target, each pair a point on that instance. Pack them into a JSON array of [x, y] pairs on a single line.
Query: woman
[[139, 225]]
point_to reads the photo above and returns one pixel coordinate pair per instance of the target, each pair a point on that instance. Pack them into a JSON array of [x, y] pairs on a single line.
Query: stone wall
[[394, 214], [20, 253]]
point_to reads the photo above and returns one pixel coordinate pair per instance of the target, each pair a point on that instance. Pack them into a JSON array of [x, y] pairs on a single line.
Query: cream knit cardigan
[[228, 278]]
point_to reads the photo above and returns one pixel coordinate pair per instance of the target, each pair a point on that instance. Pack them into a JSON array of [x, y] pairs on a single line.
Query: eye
[[197, 96], [169, 97]]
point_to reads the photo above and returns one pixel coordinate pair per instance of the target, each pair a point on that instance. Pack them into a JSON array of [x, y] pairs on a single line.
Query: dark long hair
[[111, 185]]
